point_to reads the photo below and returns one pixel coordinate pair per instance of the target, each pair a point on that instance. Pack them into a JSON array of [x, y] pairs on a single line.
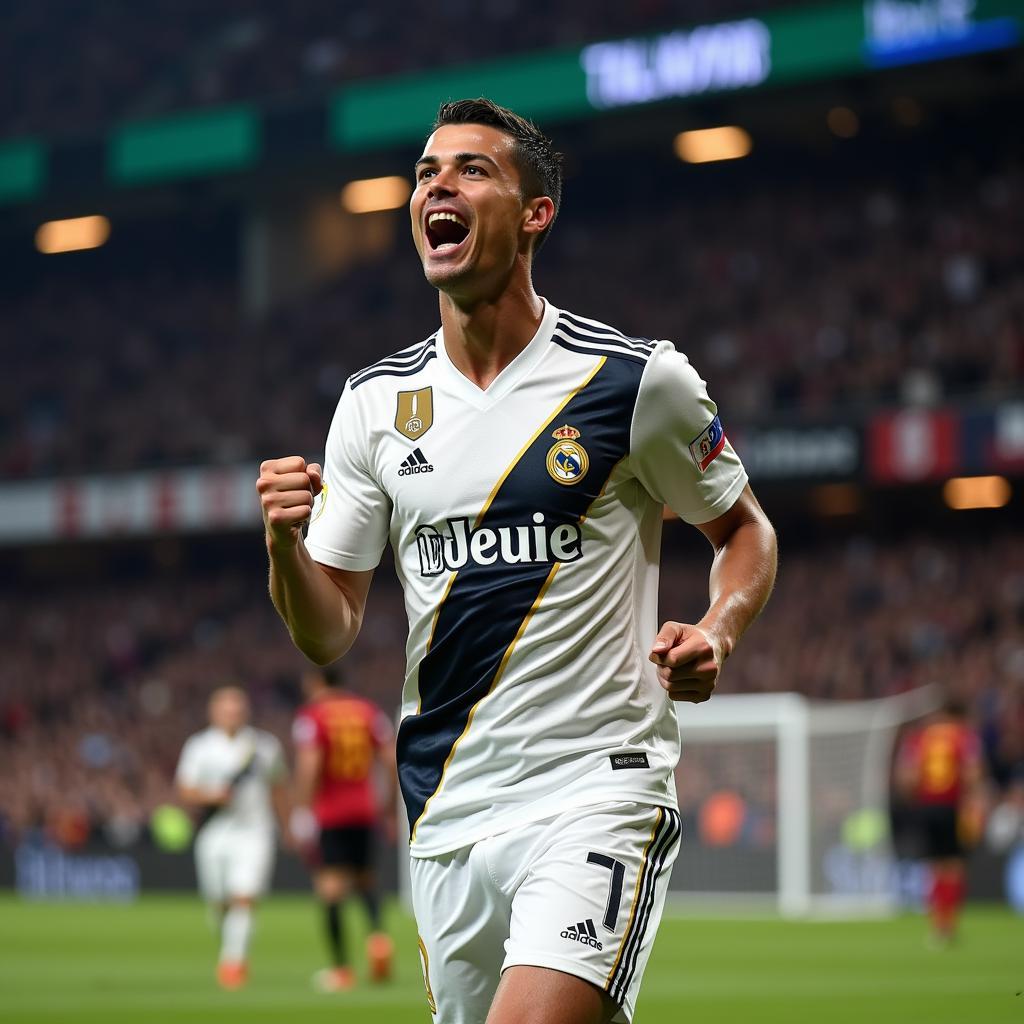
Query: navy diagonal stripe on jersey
[[487, 604]]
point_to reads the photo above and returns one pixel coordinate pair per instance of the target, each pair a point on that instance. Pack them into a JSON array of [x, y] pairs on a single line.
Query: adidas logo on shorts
[[583, 931], [415, 462]]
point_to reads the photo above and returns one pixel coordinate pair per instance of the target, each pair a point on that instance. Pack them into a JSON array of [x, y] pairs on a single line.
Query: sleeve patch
[[708, 444]]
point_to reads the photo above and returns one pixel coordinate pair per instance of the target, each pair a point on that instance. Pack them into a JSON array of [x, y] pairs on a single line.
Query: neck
[[484, 335]]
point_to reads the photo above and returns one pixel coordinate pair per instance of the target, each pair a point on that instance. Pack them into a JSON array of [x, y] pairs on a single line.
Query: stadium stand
[[921, 301], [103, 683], [74, 67]]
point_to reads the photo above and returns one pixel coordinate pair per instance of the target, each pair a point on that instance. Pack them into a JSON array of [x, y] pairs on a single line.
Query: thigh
[[211, 865], [462, 918], [539, 995], [250, 865], [591, 901]]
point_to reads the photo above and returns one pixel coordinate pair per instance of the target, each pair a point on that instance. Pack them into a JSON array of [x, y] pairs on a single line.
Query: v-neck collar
[[511, 375]]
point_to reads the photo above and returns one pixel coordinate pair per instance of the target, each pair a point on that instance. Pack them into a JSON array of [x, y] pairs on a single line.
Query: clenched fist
[[287, 488], [689, 661]]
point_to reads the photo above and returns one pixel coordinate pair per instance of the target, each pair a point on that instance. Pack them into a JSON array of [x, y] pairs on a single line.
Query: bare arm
[[690, 657], [389, 763], [282, 805], [309, 761], [196, 796], [321, 606]]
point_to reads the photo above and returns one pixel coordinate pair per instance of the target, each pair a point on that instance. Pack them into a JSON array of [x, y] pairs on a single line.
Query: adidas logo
[[415, 462], [583, 931]]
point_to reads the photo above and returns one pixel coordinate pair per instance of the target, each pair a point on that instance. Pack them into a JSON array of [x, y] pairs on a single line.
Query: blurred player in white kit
[[235, 776]]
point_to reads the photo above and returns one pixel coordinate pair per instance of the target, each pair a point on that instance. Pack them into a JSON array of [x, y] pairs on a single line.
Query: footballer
[[235, 777], [343, 745], [518, 460]]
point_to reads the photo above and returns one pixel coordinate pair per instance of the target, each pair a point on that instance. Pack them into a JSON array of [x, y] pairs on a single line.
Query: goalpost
[[785, 803]]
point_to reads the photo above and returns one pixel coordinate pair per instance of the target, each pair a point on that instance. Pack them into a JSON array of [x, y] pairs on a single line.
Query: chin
[[440, 276]]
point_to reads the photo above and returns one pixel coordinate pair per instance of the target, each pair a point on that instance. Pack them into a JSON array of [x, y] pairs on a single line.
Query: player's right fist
[[287, 488]]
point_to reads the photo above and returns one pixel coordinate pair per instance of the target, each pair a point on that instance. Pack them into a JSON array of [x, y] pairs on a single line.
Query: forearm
[[308, 765], [742, 577], [323, 621], [194, 796], [282, 806]]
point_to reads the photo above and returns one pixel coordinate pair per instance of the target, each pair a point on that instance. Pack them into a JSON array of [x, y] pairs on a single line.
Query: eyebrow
[[460, 158]]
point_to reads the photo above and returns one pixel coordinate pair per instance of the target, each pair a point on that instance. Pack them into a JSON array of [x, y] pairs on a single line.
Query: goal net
[[785, 802]]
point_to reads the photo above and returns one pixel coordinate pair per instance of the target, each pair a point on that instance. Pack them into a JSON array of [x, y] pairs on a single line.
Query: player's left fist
[[689, 661]]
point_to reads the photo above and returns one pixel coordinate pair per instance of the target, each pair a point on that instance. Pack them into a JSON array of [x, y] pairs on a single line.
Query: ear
[[537, 216]]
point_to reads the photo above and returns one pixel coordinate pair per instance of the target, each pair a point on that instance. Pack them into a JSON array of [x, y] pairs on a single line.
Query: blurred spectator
[[102, 683], [73, 67], [921, 299]]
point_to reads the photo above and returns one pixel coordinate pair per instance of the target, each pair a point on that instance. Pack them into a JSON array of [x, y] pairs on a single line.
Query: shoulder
[[267, 739], [306, 711], [591, 337], [199, 739], [403, 363], [306, 726]]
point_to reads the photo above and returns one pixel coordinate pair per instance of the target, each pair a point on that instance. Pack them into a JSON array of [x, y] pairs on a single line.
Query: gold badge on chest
[[415, 413], [567, 459]]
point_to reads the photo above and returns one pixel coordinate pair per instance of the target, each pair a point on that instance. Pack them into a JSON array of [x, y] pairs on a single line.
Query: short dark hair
[[539, 164], [333, 675]]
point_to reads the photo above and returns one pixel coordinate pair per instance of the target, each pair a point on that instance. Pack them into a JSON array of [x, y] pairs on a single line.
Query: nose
[[442, 184]]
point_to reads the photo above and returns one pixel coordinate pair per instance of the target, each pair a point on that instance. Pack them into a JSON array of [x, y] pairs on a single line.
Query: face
[[229, 709], [469, 220]]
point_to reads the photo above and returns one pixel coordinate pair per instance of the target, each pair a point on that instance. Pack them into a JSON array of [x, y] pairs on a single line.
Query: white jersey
[[526, 525], [212, 759]]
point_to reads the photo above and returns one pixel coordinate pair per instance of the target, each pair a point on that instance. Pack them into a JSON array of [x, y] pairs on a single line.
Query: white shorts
[[581, 892], [233, 863]]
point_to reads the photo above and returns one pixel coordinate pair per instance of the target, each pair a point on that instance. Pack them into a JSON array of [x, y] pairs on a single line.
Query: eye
[[474, 170], [425, 172]]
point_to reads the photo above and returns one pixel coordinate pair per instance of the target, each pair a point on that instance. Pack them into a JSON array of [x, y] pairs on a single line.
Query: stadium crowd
[[920, 301], [102, 683], [74, 67]]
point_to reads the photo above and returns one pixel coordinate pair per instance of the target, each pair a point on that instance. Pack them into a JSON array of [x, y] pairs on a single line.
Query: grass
[[152, 961]]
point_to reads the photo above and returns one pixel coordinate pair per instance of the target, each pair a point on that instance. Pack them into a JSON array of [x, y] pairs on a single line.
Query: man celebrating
[[519, 460], [339, 740], [235, 776]]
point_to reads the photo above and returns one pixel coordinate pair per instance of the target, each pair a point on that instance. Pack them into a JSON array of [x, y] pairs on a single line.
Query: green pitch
[[152, 963]]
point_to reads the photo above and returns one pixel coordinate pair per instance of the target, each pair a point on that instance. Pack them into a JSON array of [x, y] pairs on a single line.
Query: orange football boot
[[379, 951], [232, 974]]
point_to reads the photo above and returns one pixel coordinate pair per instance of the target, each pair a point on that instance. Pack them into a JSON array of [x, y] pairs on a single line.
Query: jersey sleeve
[[678, 448], [307, 731], [381, 729], [188, 772], [351, 516]]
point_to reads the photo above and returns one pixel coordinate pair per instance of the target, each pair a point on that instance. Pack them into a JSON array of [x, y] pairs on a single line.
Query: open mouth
[[446, 231]]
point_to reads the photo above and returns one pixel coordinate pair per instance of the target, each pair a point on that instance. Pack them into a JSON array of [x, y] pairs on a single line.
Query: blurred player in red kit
[[339, 739], [939, 771]]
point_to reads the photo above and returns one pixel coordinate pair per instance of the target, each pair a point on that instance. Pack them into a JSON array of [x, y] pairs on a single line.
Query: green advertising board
[[22, 170], [195, 143], [746, 53]]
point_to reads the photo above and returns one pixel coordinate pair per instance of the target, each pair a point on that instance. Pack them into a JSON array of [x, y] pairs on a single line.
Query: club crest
[[567, 459], [415, 413]]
